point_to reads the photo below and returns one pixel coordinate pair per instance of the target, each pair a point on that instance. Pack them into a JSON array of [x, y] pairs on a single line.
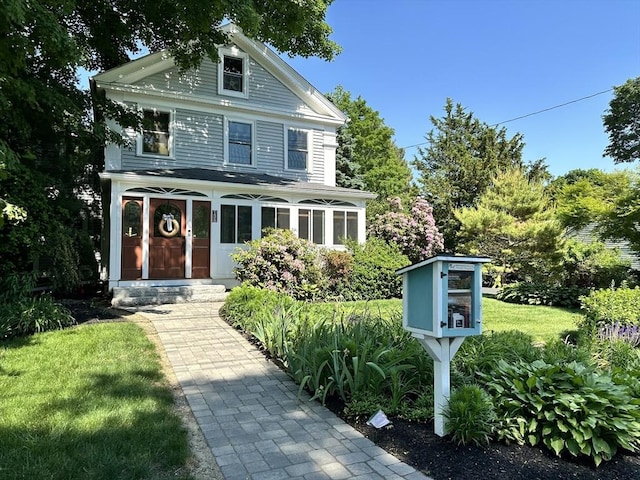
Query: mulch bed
[[417, 445]]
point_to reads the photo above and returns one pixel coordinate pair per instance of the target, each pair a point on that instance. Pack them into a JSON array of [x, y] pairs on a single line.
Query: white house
[[226, 150]]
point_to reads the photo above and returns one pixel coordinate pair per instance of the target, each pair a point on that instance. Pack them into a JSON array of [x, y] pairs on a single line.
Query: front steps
[[139, 296]]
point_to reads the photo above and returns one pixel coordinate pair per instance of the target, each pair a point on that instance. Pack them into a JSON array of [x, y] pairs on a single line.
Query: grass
[[89, 402], [541, 322]]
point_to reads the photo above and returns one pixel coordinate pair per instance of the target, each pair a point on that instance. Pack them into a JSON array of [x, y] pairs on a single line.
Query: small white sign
[[379, 420], [461, 267]]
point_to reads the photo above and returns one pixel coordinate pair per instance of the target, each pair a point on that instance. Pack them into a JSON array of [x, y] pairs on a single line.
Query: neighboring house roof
[[268, 182], [588, 235], [124, 76]]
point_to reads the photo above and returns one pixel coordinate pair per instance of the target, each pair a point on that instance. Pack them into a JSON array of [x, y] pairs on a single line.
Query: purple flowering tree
[[413, 231]]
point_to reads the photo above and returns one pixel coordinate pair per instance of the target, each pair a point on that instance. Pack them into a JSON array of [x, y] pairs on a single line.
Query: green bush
[[246, 305], [611, 305], [373, 271], [529, 293], [592, 265], [281, 262], [568, 407], [469, 416], [481, 354], [24, 313]]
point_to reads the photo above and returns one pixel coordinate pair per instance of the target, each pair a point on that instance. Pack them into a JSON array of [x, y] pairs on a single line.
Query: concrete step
[[138, 296]]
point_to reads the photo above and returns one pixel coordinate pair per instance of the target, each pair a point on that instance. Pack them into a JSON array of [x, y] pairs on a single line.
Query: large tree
[[459, 163], [379, 160], [50, 147], [622, 122], [514, 224]]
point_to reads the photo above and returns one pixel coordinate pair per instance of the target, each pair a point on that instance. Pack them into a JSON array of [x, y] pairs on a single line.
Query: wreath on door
[[168, 226]]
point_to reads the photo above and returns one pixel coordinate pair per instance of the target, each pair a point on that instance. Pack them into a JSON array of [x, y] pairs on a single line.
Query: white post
[[442, 351]]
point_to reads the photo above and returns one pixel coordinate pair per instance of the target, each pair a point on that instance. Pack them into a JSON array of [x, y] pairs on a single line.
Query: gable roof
[[157, 62]]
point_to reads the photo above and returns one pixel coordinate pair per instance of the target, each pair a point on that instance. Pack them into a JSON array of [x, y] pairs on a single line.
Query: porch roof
[[270, 182]]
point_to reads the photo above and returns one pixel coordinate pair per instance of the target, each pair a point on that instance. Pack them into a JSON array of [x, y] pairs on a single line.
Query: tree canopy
[[379, 160], [513, 224], [50, 147], [462, 157], [622, 122]]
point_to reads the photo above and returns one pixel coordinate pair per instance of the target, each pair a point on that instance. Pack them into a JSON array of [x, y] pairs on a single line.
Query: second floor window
[[156, 133], [297, 149], [240, 139]]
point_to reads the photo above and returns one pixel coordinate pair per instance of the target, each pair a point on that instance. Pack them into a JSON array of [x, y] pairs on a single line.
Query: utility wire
[[552, 108], [532, 113]]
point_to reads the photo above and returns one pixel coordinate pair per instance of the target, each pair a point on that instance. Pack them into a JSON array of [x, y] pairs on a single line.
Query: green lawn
[[89, 402], [542, 322]]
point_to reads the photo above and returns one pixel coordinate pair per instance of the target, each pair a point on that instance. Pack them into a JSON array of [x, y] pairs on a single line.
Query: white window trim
[[233, 52], [172, 130], [254, 149], [309, 133]]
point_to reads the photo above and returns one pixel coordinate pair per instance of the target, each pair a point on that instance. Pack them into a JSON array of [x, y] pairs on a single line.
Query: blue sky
[[499, 59]]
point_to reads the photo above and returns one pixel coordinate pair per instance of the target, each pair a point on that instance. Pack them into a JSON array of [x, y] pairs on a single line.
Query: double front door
[[177, 246]]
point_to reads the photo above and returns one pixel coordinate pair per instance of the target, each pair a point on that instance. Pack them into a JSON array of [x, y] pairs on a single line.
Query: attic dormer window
[[232, 73], [232, 76]]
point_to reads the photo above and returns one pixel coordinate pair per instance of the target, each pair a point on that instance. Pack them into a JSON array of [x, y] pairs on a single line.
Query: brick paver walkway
[[249, 412]]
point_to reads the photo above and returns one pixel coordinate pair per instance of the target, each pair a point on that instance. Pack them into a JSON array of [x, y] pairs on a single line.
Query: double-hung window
[[345, 226], [311, 225], [235, 223], [232, 73], [297, 149], [240, 143], [156, 133]]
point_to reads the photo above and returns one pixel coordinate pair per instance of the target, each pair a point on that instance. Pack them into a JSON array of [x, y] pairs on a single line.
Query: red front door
[[167, 229]]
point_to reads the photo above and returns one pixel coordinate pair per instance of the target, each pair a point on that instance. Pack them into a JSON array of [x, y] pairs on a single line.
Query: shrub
[[541, 294], [246, 305], [280, 262], [618, 355], [480, 354], [470, 416], [611, 305], [568, 407], [592, 265], [24, 313], [373, 275], [338, 266], [414, 232]]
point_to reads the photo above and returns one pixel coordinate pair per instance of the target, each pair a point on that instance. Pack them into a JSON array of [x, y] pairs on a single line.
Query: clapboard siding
[[264, 89], [198, 141], [270, 147]]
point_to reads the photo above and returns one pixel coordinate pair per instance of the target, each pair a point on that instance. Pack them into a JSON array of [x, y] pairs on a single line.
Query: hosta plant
[[570, 408]]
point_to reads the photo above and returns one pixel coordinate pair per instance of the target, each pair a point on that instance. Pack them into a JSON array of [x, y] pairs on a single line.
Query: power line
[[532, 113], [552, 108]]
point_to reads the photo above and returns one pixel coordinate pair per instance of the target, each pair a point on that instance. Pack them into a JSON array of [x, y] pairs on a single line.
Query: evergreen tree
[[463, 156], [514, 224]]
